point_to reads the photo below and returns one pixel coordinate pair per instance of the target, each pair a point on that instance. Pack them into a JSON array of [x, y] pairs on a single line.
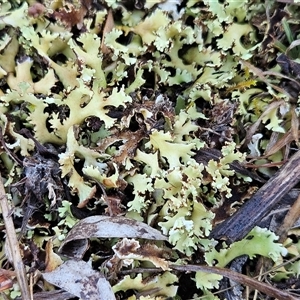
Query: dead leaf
[[129, 250], [114, 203], [75, 249], [52, 259], [78, 278], [6, 281], [285, 140], [109, 25], [72, 15], [129, 140], [111, 227]]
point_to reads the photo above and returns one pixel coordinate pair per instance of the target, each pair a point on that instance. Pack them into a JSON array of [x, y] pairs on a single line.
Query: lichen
[[128, 106]]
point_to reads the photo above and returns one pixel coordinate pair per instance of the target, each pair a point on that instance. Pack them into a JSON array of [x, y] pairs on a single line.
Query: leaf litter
[[131, 130]]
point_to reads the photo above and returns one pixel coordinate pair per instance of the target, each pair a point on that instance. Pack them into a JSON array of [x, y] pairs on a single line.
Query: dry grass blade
[[286, 139], [240, 278], [13, 244]]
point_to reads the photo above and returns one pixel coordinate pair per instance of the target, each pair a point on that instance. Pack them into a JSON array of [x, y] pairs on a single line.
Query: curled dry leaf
[[52, 259], [111, 227], [5, 283], [78, 278], [75, 249], [127, 250], [6, 280]]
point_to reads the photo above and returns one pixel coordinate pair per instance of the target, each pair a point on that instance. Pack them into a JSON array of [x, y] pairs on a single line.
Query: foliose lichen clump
[[128, 92]]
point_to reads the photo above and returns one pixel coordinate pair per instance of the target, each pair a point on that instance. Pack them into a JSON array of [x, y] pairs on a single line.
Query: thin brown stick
[[13, 244], [239, 225], [240, 278]]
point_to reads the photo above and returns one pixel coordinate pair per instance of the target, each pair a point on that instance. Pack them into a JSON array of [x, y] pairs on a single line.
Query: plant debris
[[137, 134]]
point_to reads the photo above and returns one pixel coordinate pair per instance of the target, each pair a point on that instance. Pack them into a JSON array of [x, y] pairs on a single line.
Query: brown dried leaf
[[109, 25], [78, 278], [52, 259], [111, 227], [70, 15], [131, 249], [5, 282], [7, 273], [130, 142], [282, 142], [114, 203]]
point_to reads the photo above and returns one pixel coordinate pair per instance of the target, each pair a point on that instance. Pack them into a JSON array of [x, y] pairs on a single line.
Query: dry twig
[[13, 244], [240, 278]]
